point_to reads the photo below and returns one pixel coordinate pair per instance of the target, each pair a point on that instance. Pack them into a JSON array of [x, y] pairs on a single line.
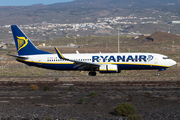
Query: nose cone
[[172, 63]]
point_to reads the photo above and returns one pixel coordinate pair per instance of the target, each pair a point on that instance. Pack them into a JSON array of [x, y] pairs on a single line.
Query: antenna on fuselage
[[77, 52]]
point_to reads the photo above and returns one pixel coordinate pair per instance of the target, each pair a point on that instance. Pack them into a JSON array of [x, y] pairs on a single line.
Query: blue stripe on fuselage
[[66, 66]]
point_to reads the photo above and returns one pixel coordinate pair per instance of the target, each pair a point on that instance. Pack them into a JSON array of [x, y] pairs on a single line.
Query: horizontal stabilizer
[[18, 57]]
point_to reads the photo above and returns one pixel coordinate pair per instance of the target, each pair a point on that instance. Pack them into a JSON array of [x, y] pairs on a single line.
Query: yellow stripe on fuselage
[[108, 70], [45, 62]]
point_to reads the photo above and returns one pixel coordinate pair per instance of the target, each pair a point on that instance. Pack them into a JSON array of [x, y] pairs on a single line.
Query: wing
[[81, 64]]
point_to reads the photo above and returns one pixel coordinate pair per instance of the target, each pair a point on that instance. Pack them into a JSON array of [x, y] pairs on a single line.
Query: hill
[[120, 3], [74, 11], [159, 37]]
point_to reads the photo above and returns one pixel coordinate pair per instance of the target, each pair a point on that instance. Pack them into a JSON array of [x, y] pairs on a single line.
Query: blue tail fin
[[23, 43]]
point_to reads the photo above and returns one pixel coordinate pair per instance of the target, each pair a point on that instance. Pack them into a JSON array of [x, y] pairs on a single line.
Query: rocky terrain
[[156, 98]]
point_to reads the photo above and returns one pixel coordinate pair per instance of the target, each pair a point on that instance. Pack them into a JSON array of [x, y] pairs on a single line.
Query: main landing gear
[[92, 73]]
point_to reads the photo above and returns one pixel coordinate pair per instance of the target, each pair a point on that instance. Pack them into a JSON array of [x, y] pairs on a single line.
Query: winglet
[[59, 53]]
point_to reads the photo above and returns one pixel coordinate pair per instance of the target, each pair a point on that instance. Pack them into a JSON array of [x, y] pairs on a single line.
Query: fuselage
[[124, 61]]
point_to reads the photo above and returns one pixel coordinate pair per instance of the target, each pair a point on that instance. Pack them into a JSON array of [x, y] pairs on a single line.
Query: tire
[[92, 73]]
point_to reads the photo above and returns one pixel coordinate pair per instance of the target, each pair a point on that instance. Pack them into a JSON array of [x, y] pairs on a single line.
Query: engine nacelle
[[108, 68]]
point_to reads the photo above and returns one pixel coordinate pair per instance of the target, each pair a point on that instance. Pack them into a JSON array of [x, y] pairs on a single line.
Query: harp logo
[[22, 42], [150, 57]]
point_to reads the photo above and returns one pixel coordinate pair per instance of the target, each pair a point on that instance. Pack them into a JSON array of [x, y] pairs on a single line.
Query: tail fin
[[24, 45]]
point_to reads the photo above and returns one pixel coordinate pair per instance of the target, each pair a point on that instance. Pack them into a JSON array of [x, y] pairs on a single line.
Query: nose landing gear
[[160, 70]]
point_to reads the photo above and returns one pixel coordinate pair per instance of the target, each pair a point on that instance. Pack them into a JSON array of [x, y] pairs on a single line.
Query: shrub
[[99, 116], [47, 118], [47, 88], [178, 82], [56, 79], [71, 88], [125, 109], [11, 83], [93, 93], [34, 87], [82, 100], [135, 117]]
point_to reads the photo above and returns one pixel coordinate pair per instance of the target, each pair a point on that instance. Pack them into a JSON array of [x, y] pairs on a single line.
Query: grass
[[47, 88], [11, 83], [82, 100], [71, 88], [47, 118], [125, 109], [56, 79], [134, 117], [93, 93], [35, 71]]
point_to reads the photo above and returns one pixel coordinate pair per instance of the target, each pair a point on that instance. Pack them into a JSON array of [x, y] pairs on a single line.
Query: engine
[[108, 68]]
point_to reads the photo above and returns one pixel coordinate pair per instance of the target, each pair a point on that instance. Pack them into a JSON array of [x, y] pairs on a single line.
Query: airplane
[[29, 54]]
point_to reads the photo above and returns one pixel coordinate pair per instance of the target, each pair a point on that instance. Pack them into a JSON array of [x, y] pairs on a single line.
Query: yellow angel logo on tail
[[22, 42]]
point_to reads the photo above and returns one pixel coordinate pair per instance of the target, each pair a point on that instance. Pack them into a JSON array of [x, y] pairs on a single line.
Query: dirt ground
[[156, 98]]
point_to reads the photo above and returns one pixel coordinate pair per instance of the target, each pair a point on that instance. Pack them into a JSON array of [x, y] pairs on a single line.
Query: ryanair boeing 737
[[92, 62]]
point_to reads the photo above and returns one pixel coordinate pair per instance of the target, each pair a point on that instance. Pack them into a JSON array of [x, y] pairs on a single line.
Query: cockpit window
[[165, 57]]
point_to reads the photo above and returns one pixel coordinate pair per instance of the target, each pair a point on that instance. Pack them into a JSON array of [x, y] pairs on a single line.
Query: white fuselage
[[122, 60]]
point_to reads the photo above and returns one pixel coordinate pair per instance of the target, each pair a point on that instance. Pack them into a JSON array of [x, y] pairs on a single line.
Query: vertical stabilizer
[[23, 44]]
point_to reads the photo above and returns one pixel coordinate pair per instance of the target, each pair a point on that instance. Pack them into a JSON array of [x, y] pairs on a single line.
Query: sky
[[29, 2]]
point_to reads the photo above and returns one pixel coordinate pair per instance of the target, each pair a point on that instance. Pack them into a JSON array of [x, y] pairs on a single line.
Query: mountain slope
[[77, 10]]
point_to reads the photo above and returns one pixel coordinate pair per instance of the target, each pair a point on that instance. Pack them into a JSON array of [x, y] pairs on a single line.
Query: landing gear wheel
[[92, 73]]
